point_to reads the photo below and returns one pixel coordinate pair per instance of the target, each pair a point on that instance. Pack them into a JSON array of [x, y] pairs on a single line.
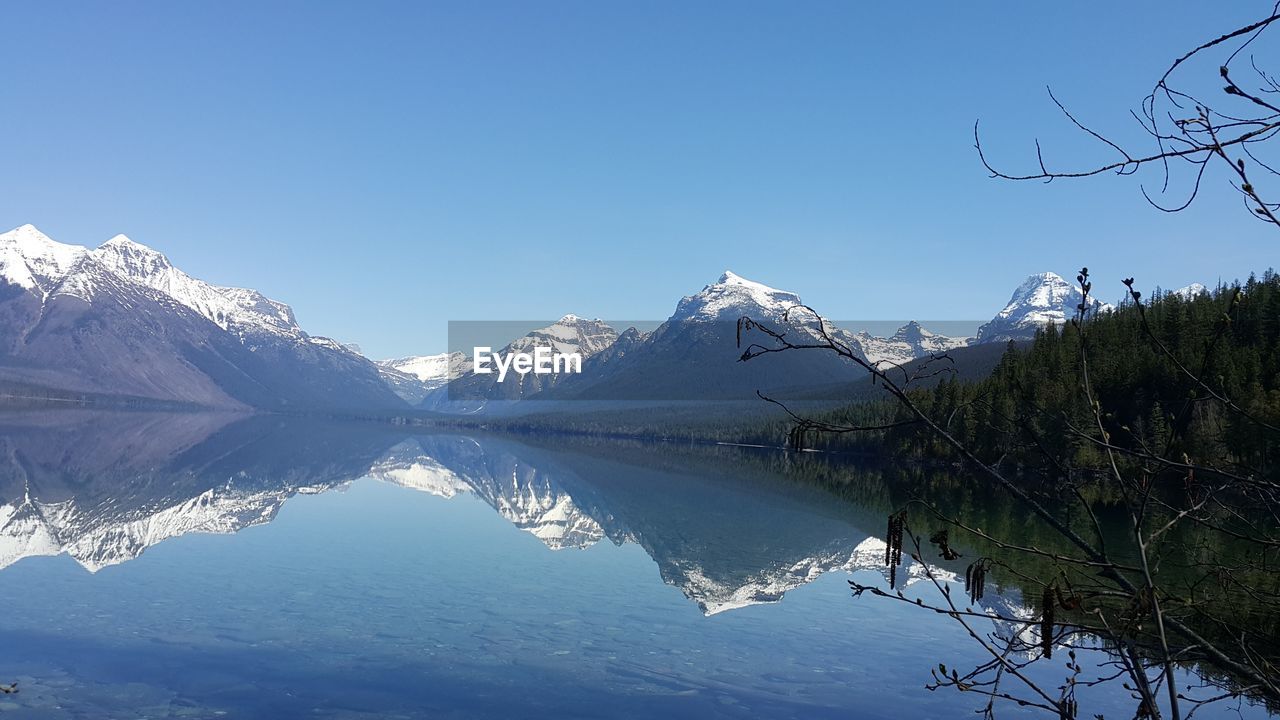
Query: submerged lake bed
[[184, 566]]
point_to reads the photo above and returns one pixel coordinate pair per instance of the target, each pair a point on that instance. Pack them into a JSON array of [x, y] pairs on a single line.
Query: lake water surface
[[188, 565]]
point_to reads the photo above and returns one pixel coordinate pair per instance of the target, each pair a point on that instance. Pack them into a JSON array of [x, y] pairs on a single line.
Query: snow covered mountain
[[1191, 291], [31, 260], [431, 370], [1042, 299], [695, 355], [120, 321], [712, 314], [237, 310], [732, 297], [911, 341], [569, 334], [414, 377]]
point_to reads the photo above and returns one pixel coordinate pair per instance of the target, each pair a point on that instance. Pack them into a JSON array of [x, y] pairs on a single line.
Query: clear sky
[[385, 167]]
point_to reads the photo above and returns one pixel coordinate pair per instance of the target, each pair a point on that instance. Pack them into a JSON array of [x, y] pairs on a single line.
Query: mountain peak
[[132, 259], [434, 370], [1045, 275], [28, 236], [733, 296], [1051, 282], [126, 243], [912, 329], [571, 333], [1191, 291], [31, 259], [124, 240], [225, 306], [1042, 299], [729, 277]]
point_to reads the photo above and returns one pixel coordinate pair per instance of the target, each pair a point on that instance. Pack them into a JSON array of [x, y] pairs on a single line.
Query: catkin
[[975, 579], [1047, 605], [893, 546]]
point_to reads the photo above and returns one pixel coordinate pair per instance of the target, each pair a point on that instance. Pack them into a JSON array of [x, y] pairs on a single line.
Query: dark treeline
[[1031, 407]]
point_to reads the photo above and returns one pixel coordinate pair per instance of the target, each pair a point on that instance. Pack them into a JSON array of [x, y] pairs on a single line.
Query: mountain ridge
[[694, 354], [120, 319]]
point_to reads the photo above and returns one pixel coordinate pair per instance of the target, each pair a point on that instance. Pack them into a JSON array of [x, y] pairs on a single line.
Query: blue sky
[[386, 167]]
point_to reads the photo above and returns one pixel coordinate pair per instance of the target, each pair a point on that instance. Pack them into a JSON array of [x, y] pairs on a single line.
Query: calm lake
[[196, 565]]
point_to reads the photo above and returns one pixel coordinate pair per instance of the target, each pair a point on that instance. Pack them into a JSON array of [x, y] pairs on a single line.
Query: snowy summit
[[32, 260], [1191, 291], [230, 308], [733, 296], [1042, 299]]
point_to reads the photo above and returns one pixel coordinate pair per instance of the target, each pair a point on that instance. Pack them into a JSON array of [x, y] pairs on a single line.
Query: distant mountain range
[[694, 354], [120, 322]]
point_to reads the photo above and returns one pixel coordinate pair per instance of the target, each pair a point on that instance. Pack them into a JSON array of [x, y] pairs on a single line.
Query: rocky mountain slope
[[121, 320]]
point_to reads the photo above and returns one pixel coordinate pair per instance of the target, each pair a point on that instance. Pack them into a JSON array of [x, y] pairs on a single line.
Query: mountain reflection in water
[[377, 600], [103, 488]]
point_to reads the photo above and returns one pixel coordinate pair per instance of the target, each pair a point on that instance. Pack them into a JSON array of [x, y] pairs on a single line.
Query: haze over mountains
[[121, 322]]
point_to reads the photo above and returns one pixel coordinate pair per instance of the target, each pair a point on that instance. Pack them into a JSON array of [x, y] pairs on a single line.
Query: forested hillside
[[1157, 376]]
